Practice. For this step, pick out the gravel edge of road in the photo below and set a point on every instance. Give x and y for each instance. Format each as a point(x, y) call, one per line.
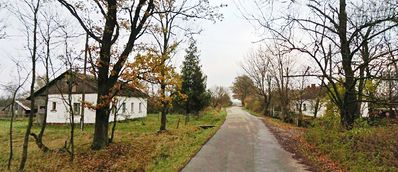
point(289, 144)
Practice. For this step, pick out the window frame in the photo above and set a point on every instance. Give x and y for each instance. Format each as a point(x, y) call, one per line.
point(54, 106)
point(124, 109)
point(76, 107)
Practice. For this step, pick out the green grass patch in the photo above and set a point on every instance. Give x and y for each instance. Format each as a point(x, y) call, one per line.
point(363, 148)
point(137, 145)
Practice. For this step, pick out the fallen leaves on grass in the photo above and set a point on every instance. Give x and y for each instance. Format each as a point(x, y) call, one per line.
point(291, 138)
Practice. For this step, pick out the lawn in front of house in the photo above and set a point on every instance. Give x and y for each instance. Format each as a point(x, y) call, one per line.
point(137, 145)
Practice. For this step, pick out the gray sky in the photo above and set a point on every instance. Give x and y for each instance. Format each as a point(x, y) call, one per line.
point(222, 46)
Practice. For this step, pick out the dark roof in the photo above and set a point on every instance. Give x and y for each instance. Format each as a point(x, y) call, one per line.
point(89, 81)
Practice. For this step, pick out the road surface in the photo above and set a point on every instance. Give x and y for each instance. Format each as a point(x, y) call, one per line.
point(243, 144)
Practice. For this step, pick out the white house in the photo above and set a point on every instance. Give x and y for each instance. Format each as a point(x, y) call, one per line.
point(309, 107)
point(311, 99)
point(131, 103)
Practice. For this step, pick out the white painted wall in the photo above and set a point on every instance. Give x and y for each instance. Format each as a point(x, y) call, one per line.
point(310, 108)
point(61, 113)
point(309, 111)
point(130, 112)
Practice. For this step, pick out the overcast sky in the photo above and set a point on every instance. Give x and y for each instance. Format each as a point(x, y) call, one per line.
point(222, 46)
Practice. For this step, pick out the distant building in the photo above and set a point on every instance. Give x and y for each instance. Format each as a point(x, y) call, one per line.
point(312, 99)
point(132, 103)
point(21, 109)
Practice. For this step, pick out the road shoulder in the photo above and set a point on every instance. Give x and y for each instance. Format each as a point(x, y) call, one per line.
point(292, 140)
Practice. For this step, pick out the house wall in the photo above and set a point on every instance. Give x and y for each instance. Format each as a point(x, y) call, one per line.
point(309, 111)
point(61, 113)
point(130, 113)
point(310, 108)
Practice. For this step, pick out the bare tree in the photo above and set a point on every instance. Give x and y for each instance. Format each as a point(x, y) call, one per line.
point(72, 77)
point(115, 109)
point(14, 88)
point(339, 25)
point(86, 49)
point(256, 67)
point(220, 97)
point(29, 19)
point(281, 66)
point(300, 96)
point(47, 30)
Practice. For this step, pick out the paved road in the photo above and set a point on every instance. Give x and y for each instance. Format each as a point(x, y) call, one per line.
point(243, 144)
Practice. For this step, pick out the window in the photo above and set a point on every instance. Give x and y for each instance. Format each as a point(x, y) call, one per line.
point(124, 107)
point(140, 108)
point(54, 107)
point(76, 108)
point(132, 107)
point(304, 107)
point(42, 109)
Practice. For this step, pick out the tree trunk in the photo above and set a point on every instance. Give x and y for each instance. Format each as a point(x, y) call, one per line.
point(11, 125)
point(84, 85)
point(300, 115)
point(349, 108)
point(72, 126)
point(266, 107)
point(100, 139)
point(187, 111)
point(316, 107)
point(163, 118)
point(114, 122)
point(24, 155)
point(105, 82)
point(39, 138)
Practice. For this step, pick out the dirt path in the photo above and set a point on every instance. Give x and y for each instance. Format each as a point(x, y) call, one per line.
point(243, 144)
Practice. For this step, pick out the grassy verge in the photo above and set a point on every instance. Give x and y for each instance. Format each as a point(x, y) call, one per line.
point(364, 148)
point(137, 145)
point(327, 147)
point(292, 138)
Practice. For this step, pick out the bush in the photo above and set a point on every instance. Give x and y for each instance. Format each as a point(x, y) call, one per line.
point(254, 104)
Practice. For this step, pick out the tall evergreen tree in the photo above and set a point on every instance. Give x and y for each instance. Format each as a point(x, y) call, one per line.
point(193, 81)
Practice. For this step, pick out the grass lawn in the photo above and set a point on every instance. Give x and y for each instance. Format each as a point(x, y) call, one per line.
point(137, 145)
